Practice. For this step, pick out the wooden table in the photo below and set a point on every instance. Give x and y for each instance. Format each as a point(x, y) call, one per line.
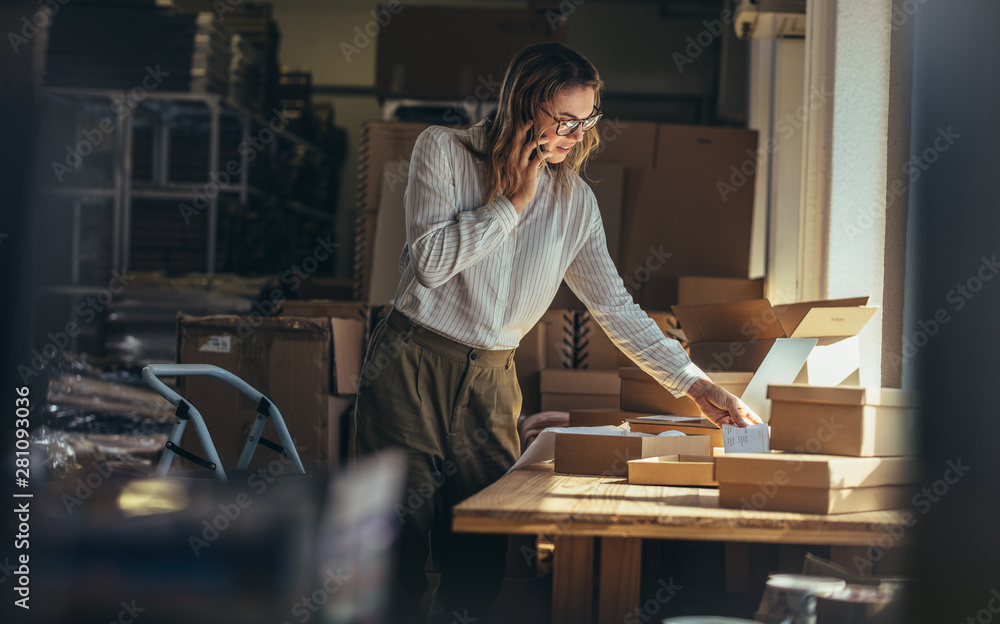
point(577, 509)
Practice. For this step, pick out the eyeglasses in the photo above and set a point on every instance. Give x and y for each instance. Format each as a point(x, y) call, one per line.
point(569, 126)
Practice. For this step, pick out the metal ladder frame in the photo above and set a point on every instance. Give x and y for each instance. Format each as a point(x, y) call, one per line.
point(186, 411)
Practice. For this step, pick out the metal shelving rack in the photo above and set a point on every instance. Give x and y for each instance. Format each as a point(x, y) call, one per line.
point(120, 189)
point(123, 189)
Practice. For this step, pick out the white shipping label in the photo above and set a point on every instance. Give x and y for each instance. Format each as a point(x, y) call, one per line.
point(752, 439)
point(217, 344)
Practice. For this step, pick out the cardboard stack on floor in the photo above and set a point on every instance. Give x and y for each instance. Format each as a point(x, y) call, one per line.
point(838, 449)
point(307, 361)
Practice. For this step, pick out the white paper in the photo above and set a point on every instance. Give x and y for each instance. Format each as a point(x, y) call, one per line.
point(781, 366)
point(544, 446)
point(752, 439)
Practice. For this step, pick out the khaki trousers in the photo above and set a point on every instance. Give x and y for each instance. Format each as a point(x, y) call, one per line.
point(453, 410)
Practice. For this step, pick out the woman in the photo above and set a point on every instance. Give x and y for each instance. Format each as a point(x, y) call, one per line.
point(496, 218)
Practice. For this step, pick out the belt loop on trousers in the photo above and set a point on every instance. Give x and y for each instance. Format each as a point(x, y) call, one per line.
point(409, 332)
point(510, 359)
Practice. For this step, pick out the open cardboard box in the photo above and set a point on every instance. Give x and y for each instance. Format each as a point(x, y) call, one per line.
point(739, 335)
point(823, 484)
point(678, 470)
point(608, 455)
point(300, 363)
point(843, 420)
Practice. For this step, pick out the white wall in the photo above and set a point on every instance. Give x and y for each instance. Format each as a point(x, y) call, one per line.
point(855, 258)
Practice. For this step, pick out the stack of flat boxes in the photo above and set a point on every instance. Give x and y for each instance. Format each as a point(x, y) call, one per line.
point(837, 450)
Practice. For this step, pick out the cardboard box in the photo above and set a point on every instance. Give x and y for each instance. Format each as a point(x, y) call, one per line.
point(568, 402)
point(693, 290)
point(608, 455)
point(560, 381)
point(344, 372)
point(383, 157)
point(289, 360)
point(814, 500)
point(843, 420)
point(566, 389)
point(735, 336)
point(677, 470)
point(821, 484)
point(816, 471)
point(679, 207)
point(689, 425)
point(742, 335)
point(642, 393)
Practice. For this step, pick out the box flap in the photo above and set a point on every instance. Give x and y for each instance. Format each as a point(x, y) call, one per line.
point(841, 395)
point(737, 321)
point(791, 314)
point(833, 322)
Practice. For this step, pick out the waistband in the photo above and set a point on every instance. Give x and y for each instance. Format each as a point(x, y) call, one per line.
point(445, 346)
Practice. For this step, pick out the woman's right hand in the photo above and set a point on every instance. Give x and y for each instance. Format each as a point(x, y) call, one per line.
point(529, 164)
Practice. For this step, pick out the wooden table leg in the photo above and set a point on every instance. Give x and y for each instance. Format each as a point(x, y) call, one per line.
point(573, 580)
point(619, 578)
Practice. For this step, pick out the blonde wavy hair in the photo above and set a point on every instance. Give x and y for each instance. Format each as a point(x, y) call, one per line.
point(532, 81)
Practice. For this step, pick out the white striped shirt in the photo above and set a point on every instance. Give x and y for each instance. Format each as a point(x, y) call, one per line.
point(483, 275)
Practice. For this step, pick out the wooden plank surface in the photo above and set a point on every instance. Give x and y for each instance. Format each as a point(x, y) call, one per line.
point(538, 500)
point(573, 580)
